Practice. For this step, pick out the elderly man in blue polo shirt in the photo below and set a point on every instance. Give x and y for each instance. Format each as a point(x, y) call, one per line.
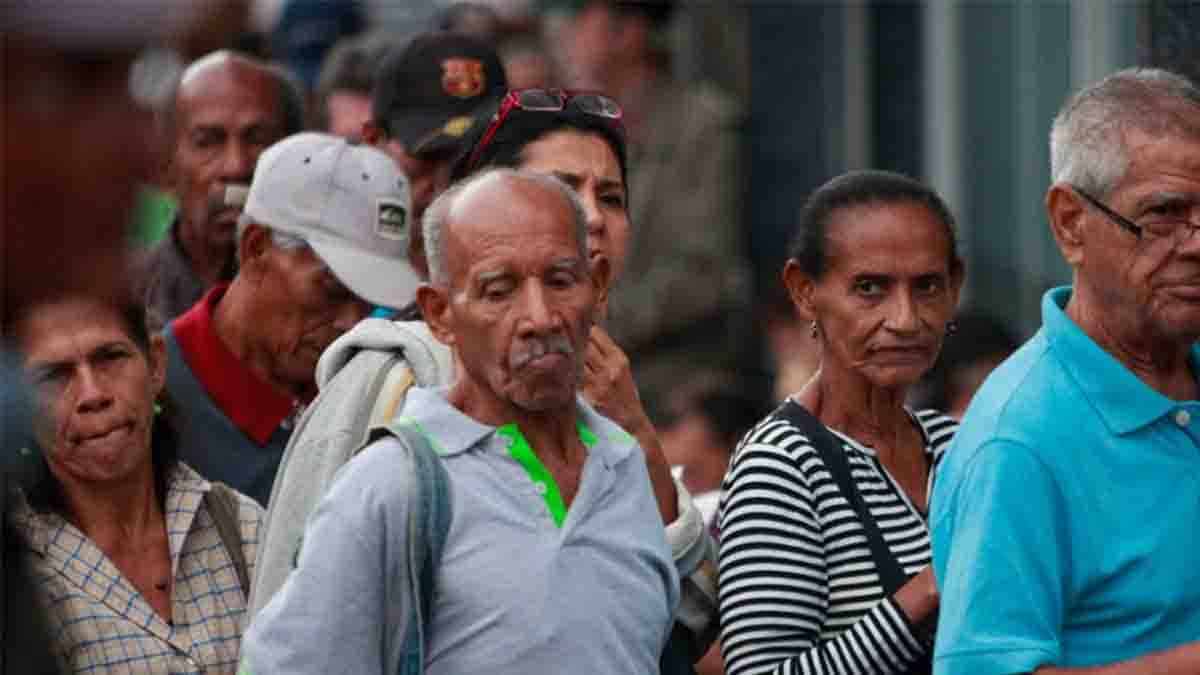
point(555, 559)
point(323, 234)
point(1065, 515)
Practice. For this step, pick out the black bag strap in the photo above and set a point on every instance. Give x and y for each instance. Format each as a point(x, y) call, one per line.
point(223, 507)
point(829, 446)
point(832, 452)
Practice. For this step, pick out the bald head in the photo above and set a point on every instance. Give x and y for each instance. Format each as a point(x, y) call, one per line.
point(227, 110)
point(222, 73)
point(513, 292)
point(478, 206)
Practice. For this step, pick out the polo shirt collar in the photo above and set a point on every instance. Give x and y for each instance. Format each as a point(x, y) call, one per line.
point(1122, 401)
point(453, 431)
point(253, 405)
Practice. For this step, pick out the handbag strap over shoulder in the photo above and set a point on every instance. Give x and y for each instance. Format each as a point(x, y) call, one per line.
point(830, 448)
point(223, 507)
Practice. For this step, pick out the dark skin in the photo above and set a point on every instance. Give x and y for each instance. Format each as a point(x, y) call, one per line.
point(96, 387)
point(227, 111)
point(882, 304)
point(517, 309)
point(282, 310)
point(1139, 299)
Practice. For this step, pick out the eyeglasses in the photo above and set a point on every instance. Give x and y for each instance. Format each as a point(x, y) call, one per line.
point(1167, 226)
point(546, 100)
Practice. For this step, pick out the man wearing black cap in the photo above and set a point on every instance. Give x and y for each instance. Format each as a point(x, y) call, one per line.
point(427, 95)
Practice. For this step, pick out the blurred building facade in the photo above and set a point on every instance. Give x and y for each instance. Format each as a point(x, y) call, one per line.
point(960, 94)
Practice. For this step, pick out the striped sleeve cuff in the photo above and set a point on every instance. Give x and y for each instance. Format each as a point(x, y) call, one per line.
point(908, 639)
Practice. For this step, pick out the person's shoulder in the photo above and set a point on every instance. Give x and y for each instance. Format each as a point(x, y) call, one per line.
point(776, 444)
point(1022, 399)
point(382, 456)
point(359, 352)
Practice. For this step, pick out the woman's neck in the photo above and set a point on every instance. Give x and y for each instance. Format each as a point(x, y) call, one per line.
point(873, 416)
point(117, 517)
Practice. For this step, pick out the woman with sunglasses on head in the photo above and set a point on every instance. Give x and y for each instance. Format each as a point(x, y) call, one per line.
point(825, 548)
point(579, 138)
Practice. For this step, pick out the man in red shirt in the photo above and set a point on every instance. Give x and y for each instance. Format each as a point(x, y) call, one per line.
point(323, 236)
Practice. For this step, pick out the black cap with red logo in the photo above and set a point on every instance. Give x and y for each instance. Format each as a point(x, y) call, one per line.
point(428, 93)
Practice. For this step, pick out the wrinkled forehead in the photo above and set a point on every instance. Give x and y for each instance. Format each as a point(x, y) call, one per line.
point(54, 329)
point(512, 234)
point(230, 85)
point(1170, 159)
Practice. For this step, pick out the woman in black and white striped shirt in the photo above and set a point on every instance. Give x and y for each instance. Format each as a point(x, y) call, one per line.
point(825, 551)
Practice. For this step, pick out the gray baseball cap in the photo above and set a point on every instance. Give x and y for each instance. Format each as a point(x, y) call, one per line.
point(349, 203)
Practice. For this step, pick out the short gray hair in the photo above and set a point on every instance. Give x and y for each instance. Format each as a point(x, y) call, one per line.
point(433, 223)
point(1087, 139)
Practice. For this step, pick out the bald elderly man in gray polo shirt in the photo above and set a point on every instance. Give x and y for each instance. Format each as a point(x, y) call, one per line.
point(555, 558)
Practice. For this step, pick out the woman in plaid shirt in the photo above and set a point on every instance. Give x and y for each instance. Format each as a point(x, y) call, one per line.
point(128, 545)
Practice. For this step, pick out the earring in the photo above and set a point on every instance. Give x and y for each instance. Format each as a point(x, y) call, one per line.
point(951, 327)
point(813, 330)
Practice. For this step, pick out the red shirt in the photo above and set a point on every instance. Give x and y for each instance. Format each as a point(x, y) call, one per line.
point(252, 404)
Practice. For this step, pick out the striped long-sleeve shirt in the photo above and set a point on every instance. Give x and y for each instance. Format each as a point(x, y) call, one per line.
point(799, 592)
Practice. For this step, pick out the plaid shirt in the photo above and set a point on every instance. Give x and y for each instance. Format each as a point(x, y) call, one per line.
point(100, 623)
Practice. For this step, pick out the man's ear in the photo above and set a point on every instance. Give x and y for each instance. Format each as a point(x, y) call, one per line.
point(372, 133)
point(1065, 210)
point(800, 289)
point(253, 246)
point(435, 308)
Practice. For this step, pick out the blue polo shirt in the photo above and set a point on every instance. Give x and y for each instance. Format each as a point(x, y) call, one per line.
point(1065, 515)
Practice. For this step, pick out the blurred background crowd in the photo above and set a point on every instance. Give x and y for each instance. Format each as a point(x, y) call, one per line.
point(957, 94)
point(735, 111)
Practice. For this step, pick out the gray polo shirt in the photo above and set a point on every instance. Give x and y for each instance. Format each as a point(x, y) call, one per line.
point(516, 593)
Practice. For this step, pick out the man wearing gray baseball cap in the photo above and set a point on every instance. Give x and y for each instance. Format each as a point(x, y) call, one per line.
point(324, 235)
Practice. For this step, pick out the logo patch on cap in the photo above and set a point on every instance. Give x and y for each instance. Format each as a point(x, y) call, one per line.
point(462, 77)
point(391, 221)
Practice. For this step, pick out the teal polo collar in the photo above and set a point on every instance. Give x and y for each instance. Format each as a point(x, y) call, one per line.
point(1122, 401)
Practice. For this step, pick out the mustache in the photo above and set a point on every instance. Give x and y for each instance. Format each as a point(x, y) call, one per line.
point(534, 348)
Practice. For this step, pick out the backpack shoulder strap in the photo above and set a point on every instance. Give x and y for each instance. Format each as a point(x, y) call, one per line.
point(430, 512)
point(223, 507)
point(829, 447)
